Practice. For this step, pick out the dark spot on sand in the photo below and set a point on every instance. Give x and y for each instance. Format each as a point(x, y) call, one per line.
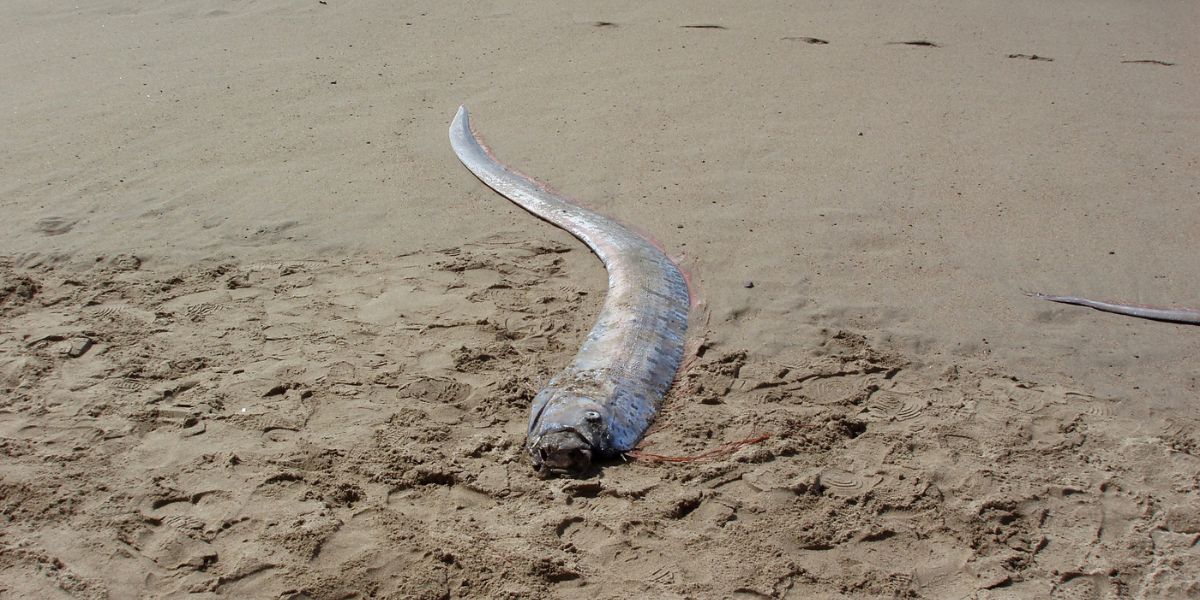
point(1161, 63)
point(925, 43)
point(703, 27)
point(604, 24)
point(1031, 57)
point(806, 40)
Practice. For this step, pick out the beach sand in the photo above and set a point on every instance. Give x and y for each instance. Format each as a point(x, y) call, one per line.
point(262, 335)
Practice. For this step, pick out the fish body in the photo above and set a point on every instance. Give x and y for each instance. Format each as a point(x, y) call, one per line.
point(603, 402)
point(1157, 313)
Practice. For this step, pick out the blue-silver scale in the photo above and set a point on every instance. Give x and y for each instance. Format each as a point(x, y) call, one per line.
point(601, 405)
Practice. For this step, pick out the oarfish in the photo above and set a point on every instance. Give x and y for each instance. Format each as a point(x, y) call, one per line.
point(1158, 313)
point(606, 398)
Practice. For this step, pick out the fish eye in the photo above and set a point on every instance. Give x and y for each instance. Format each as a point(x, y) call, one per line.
point(592, 416)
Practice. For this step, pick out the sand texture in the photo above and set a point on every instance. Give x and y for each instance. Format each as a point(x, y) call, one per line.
point(262, 335)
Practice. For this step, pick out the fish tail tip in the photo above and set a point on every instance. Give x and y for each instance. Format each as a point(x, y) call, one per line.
point(460, 119)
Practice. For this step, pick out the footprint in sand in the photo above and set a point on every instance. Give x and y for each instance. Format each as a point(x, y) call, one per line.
point(583, 534)
point(888, 405)
point(830, 390)
point(279, 434)
point(847, 484)
point(1078, 587)
point(1017, 395)
point(435, 390)
point(284, 489)
point(427, 506)
point(1100, 409)
point(1079, 404)
point(124, 314)
point(179, 535)
point(54, 225)
point(127, 385)
point(960, 443)
point(911, 410)
point(884, 404)
point(1065, 405)
point(198, 312)
point(354, 540)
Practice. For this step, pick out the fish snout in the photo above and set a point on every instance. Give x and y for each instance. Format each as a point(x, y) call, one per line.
point(564, 451)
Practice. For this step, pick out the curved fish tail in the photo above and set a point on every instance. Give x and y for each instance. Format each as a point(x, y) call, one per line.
point(1189, 316)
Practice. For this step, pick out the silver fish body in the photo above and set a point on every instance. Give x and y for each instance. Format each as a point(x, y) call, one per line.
point(1189, 316)
point(604, 401)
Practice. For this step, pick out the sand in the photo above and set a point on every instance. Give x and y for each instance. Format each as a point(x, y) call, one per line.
point(262, 336)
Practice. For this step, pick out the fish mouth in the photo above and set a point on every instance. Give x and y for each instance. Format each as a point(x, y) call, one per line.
point(563, 451)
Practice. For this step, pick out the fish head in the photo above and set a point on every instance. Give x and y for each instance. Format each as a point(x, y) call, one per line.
point(566, 432)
